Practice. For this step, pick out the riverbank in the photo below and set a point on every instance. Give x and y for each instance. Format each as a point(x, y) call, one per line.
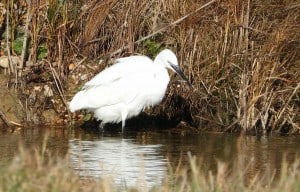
point(241, 57)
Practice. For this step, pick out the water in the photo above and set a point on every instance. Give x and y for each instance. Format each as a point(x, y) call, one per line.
point(128, 162)
point(143, 158)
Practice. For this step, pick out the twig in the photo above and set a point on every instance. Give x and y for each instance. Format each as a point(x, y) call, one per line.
point(79, 63)
point(16, 124)
point(57, 83)
point(175, 22)
point(288, 101)
point(159, 30)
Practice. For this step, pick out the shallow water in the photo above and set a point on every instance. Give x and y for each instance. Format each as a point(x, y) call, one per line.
point(128, 162)
point(143, 158)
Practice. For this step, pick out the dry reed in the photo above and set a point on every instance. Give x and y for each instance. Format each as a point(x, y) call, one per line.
point(242, 57)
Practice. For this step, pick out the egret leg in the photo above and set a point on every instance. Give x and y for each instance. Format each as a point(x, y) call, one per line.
point(123, 124)
point(101, 126)
point(124, 115)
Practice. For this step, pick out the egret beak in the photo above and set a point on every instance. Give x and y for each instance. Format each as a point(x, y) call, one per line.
point(180, 73)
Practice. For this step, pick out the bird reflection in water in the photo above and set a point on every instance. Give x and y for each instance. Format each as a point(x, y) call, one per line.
point(128, 163)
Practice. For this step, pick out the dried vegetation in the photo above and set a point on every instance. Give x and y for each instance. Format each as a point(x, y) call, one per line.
point(39, 170)
point(242, 57)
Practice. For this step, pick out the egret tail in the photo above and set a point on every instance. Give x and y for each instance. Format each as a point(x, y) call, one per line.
point(77, 102)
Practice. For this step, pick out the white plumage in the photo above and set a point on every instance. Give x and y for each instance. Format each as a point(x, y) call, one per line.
point(123, 90)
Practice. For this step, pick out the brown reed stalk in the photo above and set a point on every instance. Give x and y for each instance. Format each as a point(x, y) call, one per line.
point(8, 39)
point(26, 35)
point(58, 84)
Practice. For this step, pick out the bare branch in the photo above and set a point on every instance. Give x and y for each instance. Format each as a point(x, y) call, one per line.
point(174, 23)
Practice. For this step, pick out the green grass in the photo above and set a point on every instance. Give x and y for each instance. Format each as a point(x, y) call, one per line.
point(152, 48)
point(18, 44)
point(42, 51)
point(37, 170)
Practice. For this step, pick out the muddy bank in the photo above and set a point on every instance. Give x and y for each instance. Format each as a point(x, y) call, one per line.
point(11, 109)
point(37, 101)
point(29, 104)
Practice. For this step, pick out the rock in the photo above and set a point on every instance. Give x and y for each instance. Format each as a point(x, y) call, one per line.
point(48, 91)
point(4, 61)
point(71, 66)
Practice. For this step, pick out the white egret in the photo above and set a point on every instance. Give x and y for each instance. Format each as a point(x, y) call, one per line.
point(123, 90)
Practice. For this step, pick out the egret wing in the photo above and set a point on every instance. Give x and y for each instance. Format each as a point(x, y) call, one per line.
point(120, 83)
point(123, 67)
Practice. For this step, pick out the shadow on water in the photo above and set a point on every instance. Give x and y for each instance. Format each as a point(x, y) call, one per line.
point(144, 157)
point(145, 122)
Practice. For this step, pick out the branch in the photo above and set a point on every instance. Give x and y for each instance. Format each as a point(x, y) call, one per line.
point(57, 83)
point(174, 23)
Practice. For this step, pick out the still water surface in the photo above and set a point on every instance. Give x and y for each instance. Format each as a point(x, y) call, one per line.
point(143, 158)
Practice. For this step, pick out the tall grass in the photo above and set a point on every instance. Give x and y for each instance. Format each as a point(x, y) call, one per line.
point(241, 56)
point(38, 170)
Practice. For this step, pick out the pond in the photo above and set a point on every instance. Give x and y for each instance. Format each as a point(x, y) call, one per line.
point(144, 158)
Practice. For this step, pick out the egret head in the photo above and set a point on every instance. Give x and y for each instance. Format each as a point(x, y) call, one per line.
point(169, 60)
